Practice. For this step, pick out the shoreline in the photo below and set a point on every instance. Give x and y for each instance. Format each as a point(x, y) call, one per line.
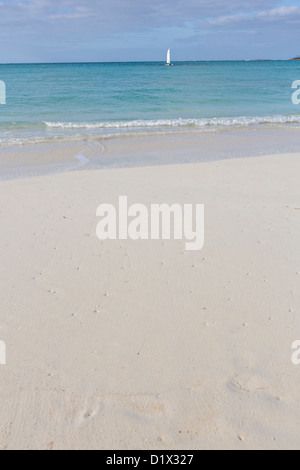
point(17, 162)
point(107, 347)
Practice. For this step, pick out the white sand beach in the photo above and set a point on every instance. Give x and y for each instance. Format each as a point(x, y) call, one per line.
point(141, 344)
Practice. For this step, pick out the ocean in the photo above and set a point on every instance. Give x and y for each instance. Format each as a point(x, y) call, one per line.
point(98, 101)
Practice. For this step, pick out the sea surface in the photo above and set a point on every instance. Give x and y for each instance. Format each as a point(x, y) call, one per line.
point(101, 101)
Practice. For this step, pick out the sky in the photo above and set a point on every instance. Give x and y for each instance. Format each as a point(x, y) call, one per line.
point(142, 30)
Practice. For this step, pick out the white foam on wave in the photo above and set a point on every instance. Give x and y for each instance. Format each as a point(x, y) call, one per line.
point(75, 131)
point(204, 122)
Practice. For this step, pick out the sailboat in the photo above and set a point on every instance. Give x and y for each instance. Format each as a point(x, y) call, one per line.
point(169, 57)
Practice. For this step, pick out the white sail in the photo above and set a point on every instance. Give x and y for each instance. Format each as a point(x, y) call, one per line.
point(169, 57)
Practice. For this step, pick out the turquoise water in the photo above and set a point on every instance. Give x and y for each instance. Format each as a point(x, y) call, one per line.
point(69, 102)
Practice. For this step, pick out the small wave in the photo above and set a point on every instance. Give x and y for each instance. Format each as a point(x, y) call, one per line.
point(59, 132)
point(18, 141)
point(175, 123)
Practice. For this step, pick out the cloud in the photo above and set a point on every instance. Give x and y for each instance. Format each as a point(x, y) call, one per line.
point(276, 14)
point(122, 14)
point(90, 29)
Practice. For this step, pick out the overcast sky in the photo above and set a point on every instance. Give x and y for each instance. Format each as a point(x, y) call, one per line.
point(137, 30)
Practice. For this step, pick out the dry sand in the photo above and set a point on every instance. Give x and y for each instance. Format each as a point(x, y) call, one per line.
point(142, 345)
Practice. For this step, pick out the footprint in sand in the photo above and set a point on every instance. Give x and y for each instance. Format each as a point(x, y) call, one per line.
point(253, 385)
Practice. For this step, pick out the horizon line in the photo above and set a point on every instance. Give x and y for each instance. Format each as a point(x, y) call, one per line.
point(148, 61)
